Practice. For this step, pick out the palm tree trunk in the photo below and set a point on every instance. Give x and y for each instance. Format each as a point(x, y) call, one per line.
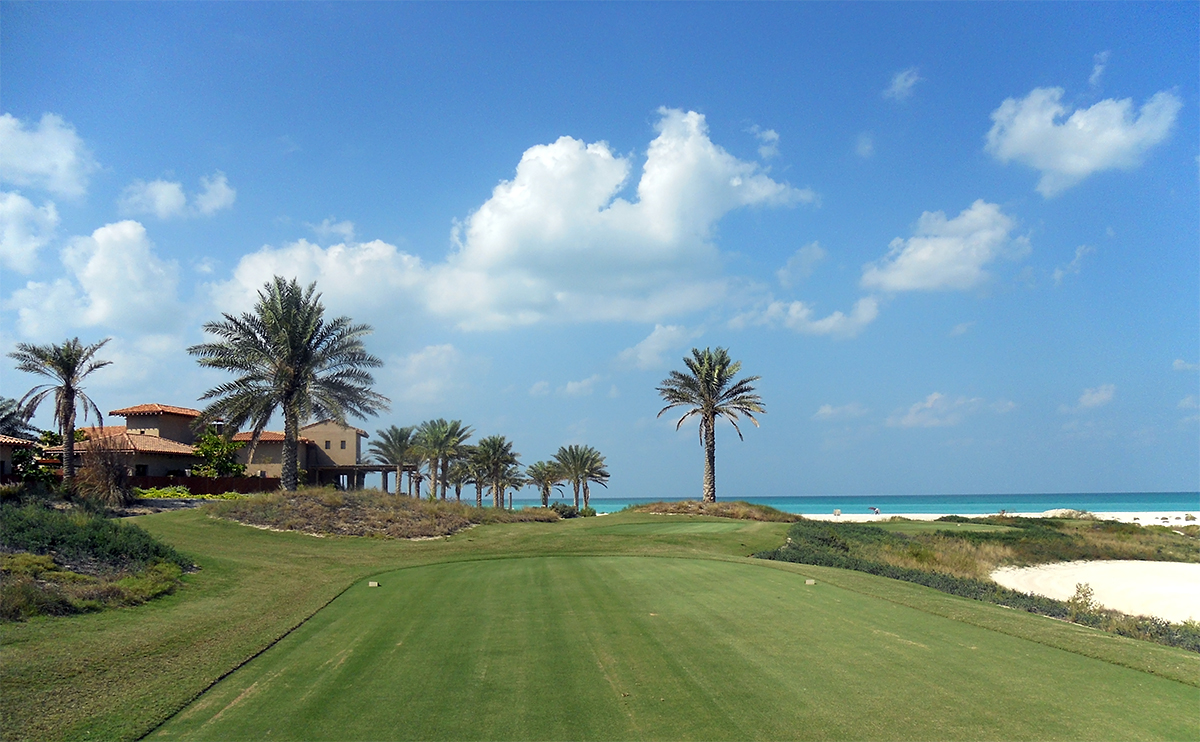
point(576, 484)
point(68, 436)
point(546, 497)
point(478, 493)
point(399, 472)
point(497, 495)
point(710, 461)
point(445, 475)
point(586, 494)
point(290, 428)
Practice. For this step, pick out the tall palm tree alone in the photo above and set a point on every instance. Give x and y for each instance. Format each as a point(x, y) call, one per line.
point(498, 462)
point(288, 357)
point(393, 448)
point(545, 475)
point(710, 391)
point(68, 365)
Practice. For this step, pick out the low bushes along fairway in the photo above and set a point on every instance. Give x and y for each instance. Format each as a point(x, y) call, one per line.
point(59, 562)
point(536, 630)
point(736, 509)
point(326, 511)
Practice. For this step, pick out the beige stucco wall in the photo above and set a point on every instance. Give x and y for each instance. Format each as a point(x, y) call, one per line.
point(160, 465)
point(171, 427)
point(268, 458)
point(329, 439)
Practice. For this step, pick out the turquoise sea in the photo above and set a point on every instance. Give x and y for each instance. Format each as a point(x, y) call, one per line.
point(1096, 502)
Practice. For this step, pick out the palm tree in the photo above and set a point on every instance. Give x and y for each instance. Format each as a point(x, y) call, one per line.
point(572, 462)
point(288, 357)
point(394, 448)
point(68, 365)
point(458, 474)
point(476, 472)
point(496, 459)
point(545, 475)
point(710, 391)
point(14, 422)
point(593, 471)
point(580, 465)
point(511, 480)
point(442, 440)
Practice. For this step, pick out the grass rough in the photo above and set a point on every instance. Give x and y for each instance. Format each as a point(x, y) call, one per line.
point(736, 509)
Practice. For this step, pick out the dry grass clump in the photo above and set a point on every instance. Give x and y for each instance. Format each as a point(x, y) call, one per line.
point(946, 554)
point(325, 511)
point(738, 509)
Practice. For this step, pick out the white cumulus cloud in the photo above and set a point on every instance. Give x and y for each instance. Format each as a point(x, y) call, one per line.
point(217, 194)
point(539, 389)
point(651, 352)
point(864, 146)
point(799, 316)
point(581, 388)
point(946, 254)
point(1108, 135)
point(1099, 62)
point(351, 275)
point(1092, 398)
point(425, 376)
point(557, 243)
point(162, 198)
point(50, 156)
point(165, 199)
point(1075, 265)
point(24, 229)
point(1182, 365)
point(118, 282)
point(936, 411)
point(769, 139)
point(903, 83)
point(801, 264)
point(846, 411)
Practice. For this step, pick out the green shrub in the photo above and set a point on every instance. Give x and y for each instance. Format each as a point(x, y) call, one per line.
point(564, 510)
point(78, 536)
point(587, 512)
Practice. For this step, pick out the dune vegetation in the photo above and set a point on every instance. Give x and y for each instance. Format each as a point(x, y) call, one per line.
point(324, 511)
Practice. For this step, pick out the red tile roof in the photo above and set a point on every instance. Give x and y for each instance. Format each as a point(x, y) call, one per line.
point(360, 431)
point(8, 440)
point(156, 409)
point(267, 436)
point(124, 441)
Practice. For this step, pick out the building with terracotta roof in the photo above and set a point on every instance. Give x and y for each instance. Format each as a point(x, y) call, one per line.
point(161, 420)
point(8, 444)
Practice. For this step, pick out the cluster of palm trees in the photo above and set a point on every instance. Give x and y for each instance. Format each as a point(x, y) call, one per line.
point(437, 452)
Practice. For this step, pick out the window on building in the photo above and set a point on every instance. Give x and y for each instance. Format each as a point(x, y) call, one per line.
point(326, 445)
point(141, 470)
point(343, 445)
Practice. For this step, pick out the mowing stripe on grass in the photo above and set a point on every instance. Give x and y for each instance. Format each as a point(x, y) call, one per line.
point(635, 647)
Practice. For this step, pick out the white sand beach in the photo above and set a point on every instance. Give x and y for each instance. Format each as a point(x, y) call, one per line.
point(1169, 590)
point(1156, 518)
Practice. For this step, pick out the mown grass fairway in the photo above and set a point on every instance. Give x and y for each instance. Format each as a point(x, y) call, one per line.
point(535, 630)
point(653, 648)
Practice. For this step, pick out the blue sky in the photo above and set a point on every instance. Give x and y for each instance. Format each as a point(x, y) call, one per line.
point(958, 242)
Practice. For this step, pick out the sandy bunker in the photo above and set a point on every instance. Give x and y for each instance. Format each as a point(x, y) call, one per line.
point(1169, 590)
